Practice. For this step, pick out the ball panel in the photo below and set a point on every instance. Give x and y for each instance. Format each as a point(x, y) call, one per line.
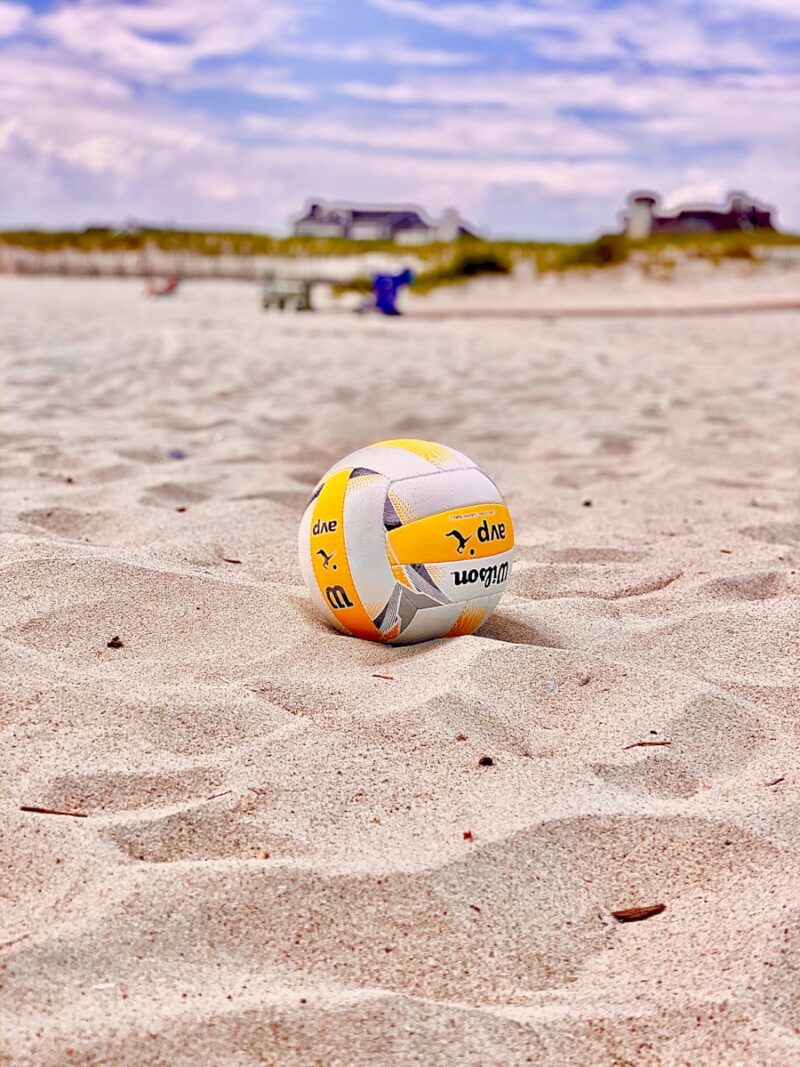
point(390, 462)
point(365, 540)
point(417, 497)
point(467, 579)
point(307, 569)
point(452, 536)
point(440, 456)
point(403, 606)
point(330, 562)
point(471, 617)
point(433, 623)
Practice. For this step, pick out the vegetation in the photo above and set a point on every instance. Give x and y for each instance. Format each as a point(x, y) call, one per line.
point(443, 263)
point(462, 267)
point(607, 251)
point(467, 263)
point(199, 242)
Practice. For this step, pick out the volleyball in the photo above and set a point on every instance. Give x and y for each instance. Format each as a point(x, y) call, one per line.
point(406, 541)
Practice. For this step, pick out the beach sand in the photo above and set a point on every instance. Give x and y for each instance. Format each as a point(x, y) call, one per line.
point(288, 858)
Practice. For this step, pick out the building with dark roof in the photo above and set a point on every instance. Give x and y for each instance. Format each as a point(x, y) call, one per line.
point(741, 212)
point(404, 224)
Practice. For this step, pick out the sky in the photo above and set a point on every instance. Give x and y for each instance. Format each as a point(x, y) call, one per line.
point(535, 118)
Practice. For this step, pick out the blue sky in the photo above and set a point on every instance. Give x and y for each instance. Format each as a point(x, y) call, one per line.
point(533, 117)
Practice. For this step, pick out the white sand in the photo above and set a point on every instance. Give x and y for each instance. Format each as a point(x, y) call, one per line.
point(273, 868)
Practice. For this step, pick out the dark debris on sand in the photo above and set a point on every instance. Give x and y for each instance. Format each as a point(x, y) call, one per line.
point(635, 915)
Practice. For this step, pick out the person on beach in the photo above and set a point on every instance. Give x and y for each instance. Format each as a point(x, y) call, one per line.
point(385, 288)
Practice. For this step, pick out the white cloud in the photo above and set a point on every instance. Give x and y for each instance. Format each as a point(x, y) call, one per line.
point(736, 106)
point(155, 40)
point(12, 18)
point(788, 9)
point(33, 75)
point(702, 191)
point(478, 19)
point(509, 135)
point(391, 50)
point(671, 33)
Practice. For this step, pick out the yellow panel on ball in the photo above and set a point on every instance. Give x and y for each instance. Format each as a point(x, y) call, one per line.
point(329, 559)
point(462, 533)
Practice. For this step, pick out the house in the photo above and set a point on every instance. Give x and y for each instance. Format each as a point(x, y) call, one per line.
point(741, 212)
point(403, 224)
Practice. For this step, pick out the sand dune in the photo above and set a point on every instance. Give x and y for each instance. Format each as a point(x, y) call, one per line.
point(281, 846)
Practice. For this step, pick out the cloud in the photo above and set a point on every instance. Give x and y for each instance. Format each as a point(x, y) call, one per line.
point(385, 50)
point(470, 18)
point(512, 135)
point(12, 18)
point(667, 34)
point(787, 9)
point(155, 40)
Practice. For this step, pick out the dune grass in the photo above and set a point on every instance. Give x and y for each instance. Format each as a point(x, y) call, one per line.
point(444, 263)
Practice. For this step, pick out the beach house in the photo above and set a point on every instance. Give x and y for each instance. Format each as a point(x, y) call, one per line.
point(644, 216)
point(375, 222)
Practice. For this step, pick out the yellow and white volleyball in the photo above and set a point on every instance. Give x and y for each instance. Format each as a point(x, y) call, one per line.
point(406, 541)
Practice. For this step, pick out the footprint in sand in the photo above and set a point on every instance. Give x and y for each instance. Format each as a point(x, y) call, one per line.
point(775, 533)
point(760, 585)
point(173, 495)
point(210, 831)
point(656, 776)
point(503, 626)
point(112, 791)
point(293, 499)
point(143, 455)
point(71, 524)
point(782, 975)
point(589, 555)
point(551, 573)
point(712, 737)
point(112, 472)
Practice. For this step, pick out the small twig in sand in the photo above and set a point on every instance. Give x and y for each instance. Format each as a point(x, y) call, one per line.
point(229, 559)
point(52, 811)
point(387, 677)
point(646, 744)
point(635, 915)
point(215, 795)
point(777, 781)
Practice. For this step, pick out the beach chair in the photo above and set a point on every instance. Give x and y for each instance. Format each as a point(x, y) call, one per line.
point(286, 294)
